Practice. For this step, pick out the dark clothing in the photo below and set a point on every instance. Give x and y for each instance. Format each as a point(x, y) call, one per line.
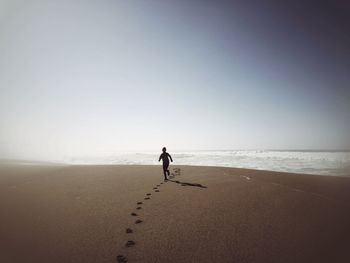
point(165, 157)
point(165, 169)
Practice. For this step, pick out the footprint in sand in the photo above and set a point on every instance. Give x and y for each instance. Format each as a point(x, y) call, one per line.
point(130, 243)
point(121, 258)
point(177, 172)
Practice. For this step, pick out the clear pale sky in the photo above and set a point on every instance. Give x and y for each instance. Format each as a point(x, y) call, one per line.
point(90, 77)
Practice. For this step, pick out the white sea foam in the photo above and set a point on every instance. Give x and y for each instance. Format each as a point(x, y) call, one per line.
point(310, 162)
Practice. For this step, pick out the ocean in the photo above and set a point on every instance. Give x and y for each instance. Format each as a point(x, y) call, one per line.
point(308, 162)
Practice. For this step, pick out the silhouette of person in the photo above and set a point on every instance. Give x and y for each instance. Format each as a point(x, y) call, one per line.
point(165, 157)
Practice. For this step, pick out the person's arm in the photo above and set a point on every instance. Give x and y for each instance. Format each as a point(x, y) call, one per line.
point(160, 157)
point(170, 157)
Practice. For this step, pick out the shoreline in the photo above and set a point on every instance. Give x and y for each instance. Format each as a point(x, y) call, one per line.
point(333, 163)
point(43, 164)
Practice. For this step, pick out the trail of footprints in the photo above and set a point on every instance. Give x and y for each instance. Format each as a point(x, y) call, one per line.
point(130, 243)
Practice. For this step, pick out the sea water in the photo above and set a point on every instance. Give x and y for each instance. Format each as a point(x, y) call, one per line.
point(308, 162)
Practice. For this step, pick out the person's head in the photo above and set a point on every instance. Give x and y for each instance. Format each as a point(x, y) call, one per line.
point(164, 149)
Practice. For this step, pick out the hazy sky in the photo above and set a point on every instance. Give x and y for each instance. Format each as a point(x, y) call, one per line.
point(95, 77)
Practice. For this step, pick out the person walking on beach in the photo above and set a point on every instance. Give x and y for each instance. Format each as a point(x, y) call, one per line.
point(165, 157)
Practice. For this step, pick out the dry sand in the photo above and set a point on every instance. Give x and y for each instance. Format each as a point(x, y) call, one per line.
point(81, 213)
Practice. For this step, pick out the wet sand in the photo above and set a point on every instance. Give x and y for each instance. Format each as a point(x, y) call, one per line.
point(203, 214)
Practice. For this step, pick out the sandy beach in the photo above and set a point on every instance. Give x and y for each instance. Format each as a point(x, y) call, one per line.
point(203, 214)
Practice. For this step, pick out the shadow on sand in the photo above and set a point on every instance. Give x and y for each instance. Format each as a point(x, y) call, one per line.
point(187, 184)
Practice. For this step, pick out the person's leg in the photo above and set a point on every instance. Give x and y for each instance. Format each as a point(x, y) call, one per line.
point(164, 171)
